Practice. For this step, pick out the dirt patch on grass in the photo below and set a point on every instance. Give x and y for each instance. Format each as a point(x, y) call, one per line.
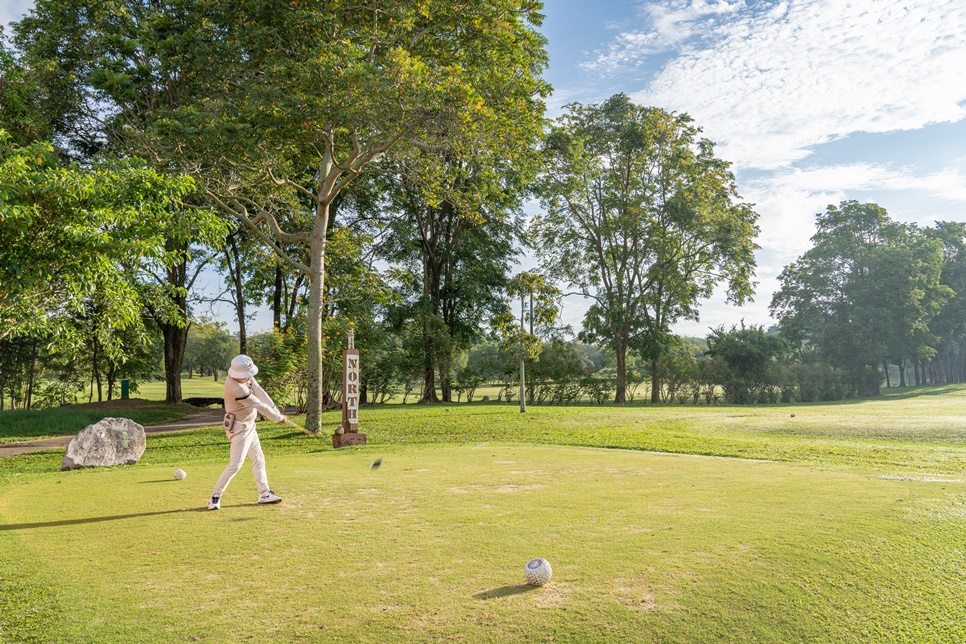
point(551, 595)
point(517, 488)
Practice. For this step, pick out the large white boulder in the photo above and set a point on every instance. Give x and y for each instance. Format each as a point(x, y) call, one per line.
point(111, 441)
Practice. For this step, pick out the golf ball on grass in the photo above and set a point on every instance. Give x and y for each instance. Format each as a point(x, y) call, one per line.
point(537, 572)
point(180, 474)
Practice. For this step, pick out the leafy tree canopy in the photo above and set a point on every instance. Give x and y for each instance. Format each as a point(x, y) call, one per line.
point(643, 219)
point(69, 232)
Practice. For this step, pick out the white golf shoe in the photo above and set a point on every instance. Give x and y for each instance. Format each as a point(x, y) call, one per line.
point(269, 497)
point(214, 503)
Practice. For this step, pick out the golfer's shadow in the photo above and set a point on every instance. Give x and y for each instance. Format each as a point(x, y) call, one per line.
point(504, 591)
point(66, 522)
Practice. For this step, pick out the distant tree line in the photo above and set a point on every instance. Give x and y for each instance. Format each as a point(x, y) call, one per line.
point(871, 293)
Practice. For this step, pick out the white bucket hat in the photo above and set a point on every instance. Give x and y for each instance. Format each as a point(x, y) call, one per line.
point(242, 367)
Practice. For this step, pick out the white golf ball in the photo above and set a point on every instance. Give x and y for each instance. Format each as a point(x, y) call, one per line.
point(537, 572)
point(180, 474)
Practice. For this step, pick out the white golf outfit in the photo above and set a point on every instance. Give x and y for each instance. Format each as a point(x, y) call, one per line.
point(246, 400)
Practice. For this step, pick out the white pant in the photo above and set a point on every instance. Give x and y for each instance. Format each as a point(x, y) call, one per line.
point(244, 442)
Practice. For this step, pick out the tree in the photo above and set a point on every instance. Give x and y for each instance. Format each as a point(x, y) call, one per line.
point(643, 219)
point(18, 92)
point(950, 324)
point(539, 306)
point(92, 110)
point(457, 259)
point(863, 294)
point(279, 106)
point(166, 284)
point(67, 232)
point(751, 355)
point(210, 347)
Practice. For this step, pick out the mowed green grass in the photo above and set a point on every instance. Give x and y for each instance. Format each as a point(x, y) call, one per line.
point(25, 424)
point(196, 387)
point(847, 525)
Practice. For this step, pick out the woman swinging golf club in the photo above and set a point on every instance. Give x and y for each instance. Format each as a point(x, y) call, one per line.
point(244, 400)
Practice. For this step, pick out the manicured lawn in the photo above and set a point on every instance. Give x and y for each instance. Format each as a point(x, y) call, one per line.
point(196, 387)
point(844, 523)
point(59, 421)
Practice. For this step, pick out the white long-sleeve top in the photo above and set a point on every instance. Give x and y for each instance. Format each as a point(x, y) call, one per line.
point(246, 400)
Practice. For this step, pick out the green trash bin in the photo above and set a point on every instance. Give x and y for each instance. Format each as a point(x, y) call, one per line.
point(125, 389)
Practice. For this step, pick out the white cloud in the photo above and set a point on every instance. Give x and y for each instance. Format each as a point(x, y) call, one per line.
point(13, 11)
point(669, 24)
point(768, 85)
point(788, 200)
point(949, 183)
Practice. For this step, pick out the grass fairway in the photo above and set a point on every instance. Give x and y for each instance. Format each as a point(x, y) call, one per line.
point(196, 387)
point(852, 530)
point(431, 547)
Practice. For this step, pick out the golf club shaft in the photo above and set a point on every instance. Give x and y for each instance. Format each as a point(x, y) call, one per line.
point(298, 427)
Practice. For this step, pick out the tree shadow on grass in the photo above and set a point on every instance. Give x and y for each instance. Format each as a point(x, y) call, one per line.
point(505, 591)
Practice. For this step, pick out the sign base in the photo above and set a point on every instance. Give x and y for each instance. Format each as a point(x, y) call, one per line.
point(348, 438)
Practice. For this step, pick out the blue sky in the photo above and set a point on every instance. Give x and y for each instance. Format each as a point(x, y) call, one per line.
point(812, 101)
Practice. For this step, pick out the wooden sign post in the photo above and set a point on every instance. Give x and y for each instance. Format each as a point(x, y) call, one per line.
point(348, 433)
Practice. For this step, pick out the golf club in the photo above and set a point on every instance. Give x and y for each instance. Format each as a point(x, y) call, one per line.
point(298, 427)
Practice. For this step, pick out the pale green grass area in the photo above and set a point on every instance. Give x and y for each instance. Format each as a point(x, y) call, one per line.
point(24, 424)
point(196, 387)
point(431, 546)
point(904, 435)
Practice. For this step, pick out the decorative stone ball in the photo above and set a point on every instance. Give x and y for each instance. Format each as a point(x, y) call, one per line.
point(180, 474)
point(537, 572)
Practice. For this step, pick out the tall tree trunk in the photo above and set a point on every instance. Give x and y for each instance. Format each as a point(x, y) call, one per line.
point(313, 331)
point(95, 374)
point(431, 288)
point(902, 373)
point(445, 383)
point(620, 347)
point(523, 355)
point(111, 378)
point(233, 258)
point(175, 332)
point(885, 369)
point(30, 375)
point(277, 300)
point(175, 339)
point(429, 363)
